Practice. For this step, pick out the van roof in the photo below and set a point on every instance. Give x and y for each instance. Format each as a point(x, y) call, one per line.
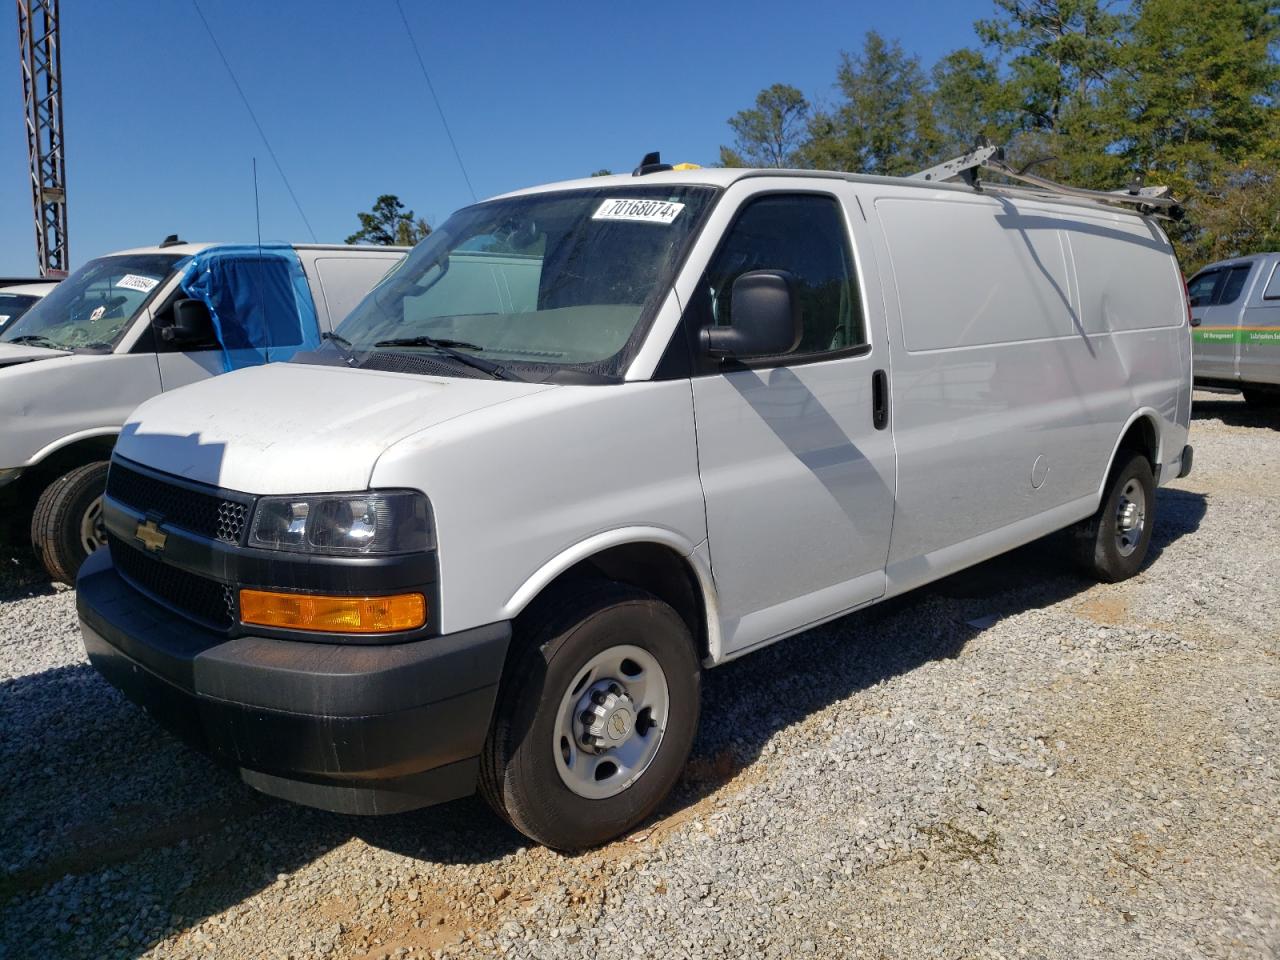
point(725, 176)
point(190, 249)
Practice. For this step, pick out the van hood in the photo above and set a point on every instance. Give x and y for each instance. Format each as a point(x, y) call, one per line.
point(11, 353)
point(295, 428)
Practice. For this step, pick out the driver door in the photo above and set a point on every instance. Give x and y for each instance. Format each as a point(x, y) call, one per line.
point(797, 470)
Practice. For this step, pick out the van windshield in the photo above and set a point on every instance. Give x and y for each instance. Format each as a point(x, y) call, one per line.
point(534, 284)
point(93, 307)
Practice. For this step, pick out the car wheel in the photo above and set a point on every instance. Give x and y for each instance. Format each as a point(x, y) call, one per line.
point(66, 525)
point(1112, 544)
point(595, 717)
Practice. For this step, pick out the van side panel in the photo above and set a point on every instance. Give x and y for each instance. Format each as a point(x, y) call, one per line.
point(986, 391)
point(1016, 367)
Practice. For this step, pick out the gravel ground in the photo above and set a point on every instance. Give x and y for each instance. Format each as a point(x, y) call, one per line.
point(1014, 762)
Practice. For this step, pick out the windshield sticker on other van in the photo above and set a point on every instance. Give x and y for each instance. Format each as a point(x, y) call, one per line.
point(98, 314)
point(639, 211)
point(132, 281)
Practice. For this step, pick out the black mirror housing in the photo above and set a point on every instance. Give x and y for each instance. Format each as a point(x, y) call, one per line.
point(764, 318)
point(192, 323)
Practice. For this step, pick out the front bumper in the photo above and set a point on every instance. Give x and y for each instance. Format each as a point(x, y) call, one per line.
point(350, 728)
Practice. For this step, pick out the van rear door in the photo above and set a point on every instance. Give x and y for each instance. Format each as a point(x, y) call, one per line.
point(799, 480)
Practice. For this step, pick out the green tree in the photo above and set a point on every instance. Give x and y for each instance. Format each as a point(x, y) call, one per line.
point(1059, 57)
point(389, 224)
point(971, 101)
point(771, 133)
point(884, 123)
point(1238, 214)
point(603, 172)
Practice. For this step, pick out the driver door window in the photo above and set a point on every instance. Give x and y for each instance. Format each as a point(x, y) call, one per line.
point(804, 235)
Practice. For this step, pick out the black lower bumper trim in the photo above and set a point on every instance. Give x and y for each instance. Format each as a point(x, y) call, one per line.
point(362, 729)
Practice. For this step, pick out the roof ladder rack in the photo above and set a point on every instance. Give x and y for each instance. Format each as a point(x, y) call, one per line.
point(1150, 201)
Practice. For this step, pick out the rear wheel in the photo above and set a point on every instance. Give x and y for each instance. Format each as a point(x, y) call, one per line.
point(1112, 544)
point(595, 718)
point(67, 523)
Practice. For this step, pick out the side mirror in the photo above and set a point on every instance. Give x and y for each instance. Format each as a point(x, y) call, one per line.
point(191, 323)
point(764, 318)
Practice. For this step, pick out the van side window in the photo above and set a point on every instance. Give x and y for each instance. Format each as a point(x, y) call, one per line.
point(1201, 287)
point(1236, 278)
point(803, 234)
point(1273, 285)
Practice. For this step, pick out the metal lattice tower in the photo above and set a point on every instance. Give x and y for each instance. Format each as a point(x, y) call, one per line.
point(42, 98)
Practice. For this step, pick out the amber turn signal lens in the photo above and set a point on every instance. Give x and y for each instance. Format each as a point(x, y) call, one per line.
point(305, 611)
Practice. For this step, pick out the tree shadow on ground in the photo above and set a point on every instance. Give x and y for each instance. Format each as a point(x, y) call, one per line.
point(97, 785)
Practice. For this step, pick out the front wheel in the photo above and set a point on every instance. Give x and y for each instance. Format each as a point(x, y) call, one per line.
point(67, 523)
point(595, 718)
point(1112, 544)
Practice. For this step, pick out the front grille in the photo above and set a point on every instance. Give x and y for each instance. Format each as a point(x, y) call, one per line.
point(197, 597)
point(204, 514)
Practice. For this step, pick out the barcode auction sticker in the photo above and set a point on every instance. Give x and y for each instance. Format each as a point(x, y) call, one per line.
point(639, 211)
point(132, 281)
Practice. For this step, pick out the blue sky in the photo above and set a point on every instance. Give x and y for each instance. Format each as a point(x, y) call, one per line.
point(158, 142)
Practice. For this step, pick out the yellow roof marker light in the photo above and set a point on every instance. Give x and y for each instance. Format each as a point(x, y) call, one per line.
point(687, 166)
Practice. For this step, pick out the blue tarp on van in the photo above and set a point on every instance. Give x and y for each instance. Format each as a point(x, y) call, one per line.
point(259, 300)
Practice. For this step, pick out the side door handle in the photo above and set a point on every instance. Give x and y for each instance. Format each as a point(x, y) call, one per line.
point(880, 399)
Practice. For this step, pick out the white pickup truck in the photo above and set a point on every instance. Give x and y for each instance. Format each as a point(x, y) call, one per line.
point(595, 437)
point(133, 324)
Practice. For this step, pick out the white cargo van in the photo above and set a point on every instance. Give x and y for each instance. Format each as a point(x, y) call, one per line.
point(128, 326)
point(1235, 309)
point(595, 437)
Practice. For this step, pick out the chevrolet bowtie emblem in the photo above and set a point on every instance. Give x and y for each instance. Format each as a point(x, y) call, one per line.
point(152, 537)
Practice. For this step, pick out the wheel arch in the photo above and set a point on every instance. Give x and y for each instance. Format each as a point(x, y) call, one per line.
point(654, 559)
point(75, 450)
point(1141, 434)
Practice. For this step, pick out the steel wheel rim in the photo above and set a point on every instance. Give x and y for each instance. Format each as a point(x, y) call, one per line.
point(1131, 517)
point(600, 759)
point(93, 533)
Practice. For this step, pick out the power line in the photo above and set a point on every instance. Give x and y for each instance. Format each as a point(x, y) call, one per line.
point(439, 109)
point(254, 117)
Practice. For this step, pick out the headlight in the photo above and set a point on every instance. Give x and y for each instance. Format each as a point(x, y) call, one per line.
point(353, 523)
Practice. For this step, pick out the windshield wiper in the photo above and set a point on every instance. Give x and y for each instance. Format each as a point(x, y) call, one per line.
point(427, 342)
point(450, 349)
point(37, 340)
point(341, 342)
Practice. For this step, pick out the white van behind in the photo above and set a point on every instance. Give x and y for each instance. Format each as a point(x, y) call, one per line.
point(492, 538)
point(107, 337)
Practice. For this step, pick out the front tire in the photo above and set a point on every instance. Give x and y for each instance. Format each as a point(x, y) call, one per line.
point(595, 718)
point(1112, 544)
point(67, 523)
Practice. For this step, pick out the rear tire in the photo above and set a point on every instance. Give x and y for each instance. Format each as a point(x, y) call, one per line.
point(67, 523)
point(609, 653)
point(1112, 544)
